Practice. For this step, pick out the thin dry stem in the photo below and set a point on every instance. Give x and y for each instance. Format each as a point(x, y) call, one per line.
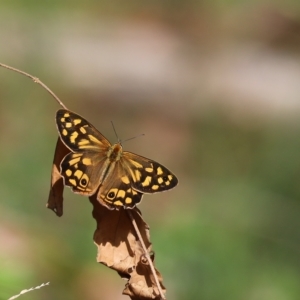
point(146, 253)
point(36, 80)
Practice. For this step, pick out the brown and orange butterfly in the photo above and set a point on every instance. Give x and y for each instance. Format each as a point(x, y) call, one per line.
point(94, 165)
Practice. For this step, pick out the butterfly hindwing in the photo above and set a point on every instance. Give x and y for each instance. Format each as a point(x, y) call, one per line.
point(81, 172)
point(117, 193)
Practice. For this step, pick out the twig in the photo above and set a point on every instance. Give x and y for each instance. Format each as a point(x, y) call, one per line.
point(146, 253)
point(36, 80)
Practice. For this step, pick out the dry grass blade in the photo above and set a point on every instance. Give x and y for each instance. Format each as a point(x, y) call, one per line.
point(29, 290)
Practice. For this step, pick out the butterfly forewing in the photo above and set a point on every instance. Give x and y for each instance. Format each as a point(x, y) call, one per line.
point(147, 175)
point(78, 134)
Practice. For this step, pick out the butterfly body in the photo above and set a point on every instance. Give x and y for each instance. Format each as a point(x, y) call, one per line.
point(120, 178)
point(115, 152)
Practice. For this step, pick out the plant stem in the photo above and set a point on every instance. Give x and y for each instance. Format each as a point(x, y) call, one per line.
point(146, 253)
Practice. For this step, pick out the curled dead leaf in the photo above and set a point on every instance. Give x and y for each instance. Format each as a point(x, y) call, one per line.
point(55, 199)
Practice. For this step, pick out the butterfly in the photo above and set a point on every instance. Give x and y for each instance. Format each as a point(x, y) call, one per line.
point(94, 165)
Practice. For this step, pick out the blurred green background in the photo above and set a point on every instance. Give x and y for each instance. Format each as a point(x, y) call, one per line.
point(215, 86)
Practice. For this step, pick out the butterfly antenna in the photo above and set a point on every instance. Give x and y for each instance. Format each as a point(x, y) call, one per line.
point(142, 134)
point(119, 141)
point(112, 123)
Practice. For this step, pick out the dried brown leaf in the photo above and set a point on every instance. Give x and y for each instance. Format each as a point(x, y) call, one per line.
point(55, 199)
point(120, 249)
point(141, 286)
